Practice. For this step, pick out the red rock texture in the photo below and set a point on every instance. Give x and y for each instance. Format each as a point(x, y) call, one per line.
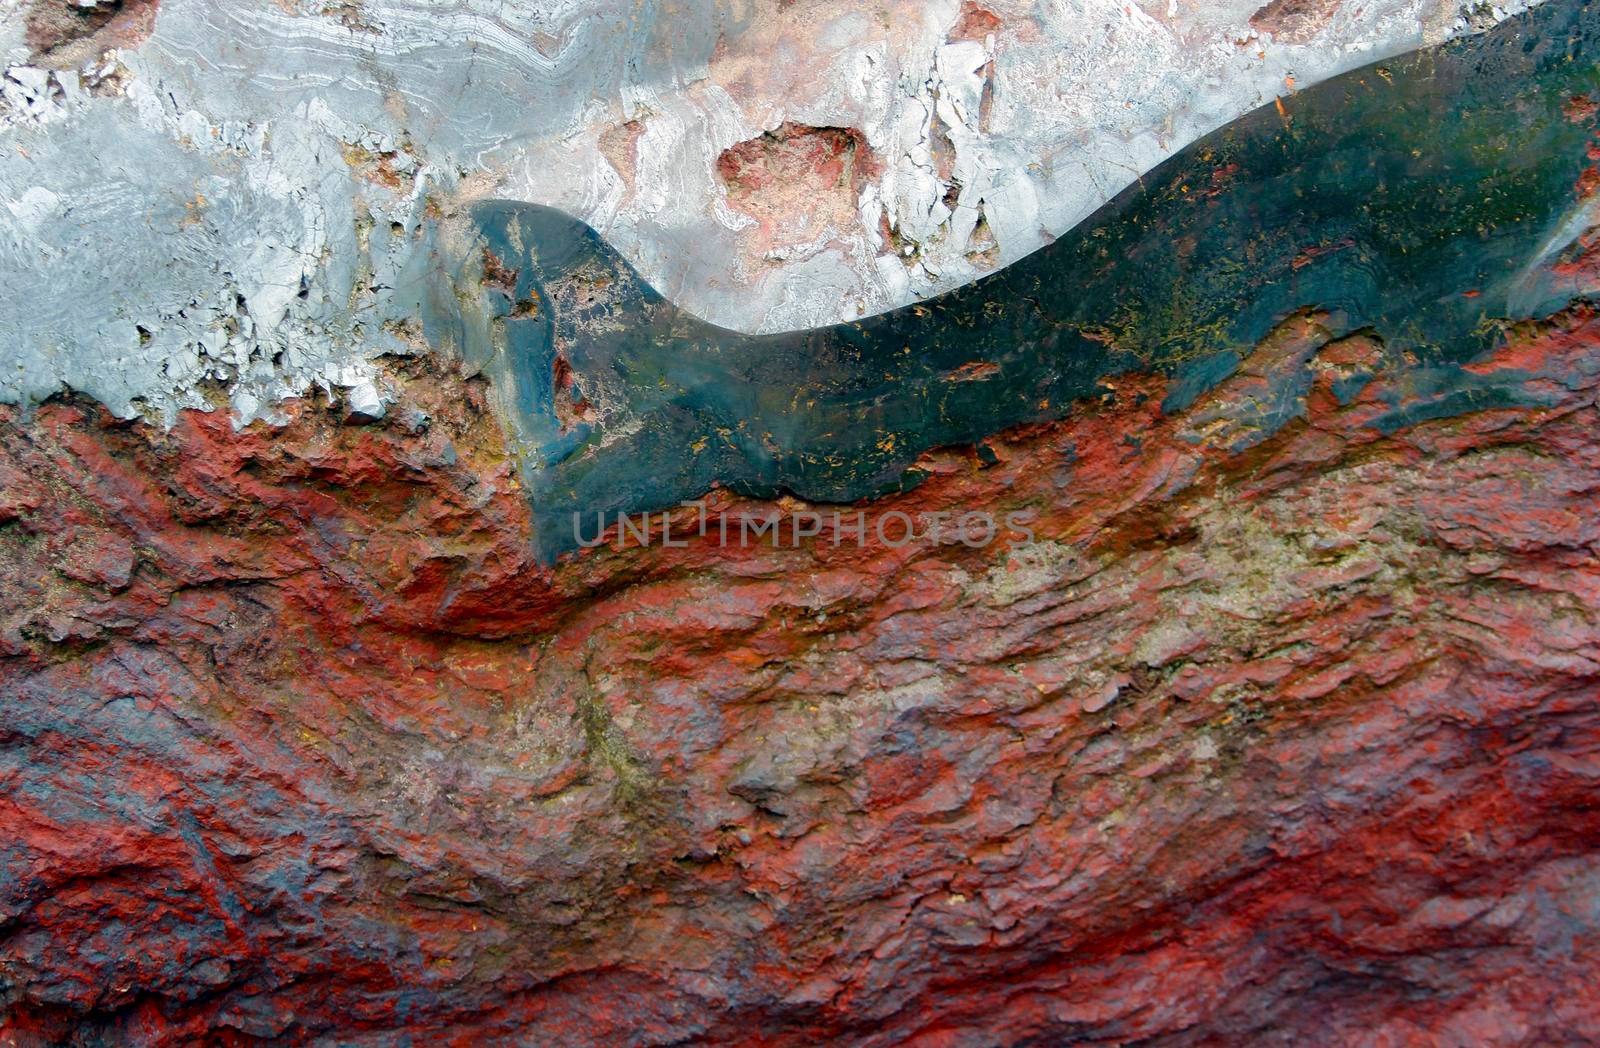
point(1284, 731)
point(66, 33)
point(1295, 21)
point(797, 179)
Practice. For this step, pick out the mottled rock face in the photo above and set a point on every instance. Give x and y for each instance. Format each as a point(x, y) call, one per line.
point(1193, 639)
point(273, 173)
point(1282, 728)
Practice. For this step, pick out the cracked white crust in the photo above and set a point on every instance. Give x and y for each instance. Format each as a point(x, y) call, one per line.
point(233, 208)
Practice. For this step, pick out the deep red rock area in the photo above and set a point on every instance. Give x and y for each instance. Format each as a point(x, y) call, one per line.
point(1285, 730)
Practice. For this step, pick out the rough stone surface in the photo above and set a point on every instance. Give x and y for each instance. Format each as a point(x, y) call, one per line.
point(1284, 730)
point(208, 204)
point(1253, 703)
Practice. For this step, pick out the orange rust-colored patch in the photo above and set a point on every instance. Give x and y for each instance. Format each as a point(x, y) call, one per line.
point(976, 371)
point(975, 23)
point(377, 168)
point(497, 274)
point(1311, 254)
point(620, 146)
